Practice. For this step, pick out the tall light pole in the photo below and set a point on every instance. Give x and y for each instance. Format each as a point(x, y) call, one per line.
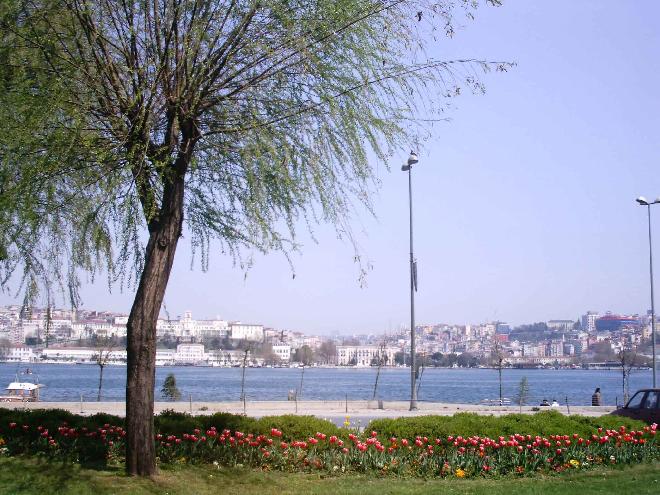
point(643, 202)
point(412, 159)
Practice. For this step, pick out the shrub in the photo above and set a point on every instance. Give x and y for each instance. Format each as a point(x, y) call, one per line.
point(175, 423)
point(468, 424)
point(296, 427)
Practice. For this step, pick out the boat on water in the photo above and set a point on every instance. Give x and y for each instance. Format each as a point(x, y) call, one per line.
point(21, 392)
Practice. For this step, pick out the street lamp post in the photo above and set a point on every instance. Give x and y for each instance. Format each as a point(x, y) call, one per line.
point(412, 159)
point(643, 202)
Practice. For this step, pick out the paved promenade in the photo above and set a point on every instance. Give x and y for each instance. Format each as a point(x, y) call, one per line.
point(357, 410)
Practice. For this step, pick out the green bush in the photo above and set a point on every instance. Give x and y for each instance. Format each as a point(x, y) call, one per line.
point(54, 418)
point(170, 422)
point(469, 424)
point(226, 421)
point(296, 427)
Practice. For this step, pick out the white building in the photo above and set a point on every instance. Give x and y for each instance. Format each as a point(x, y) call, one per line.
point(189, 354)
point(244, 331)
point(18, 354)
point(364, 355)
point(81, 355)
point(589, 321)
point(283, 352)
point(561, 325)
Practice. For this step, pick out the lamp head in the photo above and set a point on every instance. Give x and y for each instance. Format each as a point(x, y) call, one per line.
point(412, 159)
point(642, 201)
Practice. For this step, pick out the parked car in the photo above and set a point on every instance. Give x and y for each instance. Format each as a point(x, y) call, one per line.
point(644, 405)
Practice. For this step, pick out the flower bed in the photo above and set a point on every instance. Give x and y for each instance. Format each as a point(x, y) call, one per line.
point(420, 456)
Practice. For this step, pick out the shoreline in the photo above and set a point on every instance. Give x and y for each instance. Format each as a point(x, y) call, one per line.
point(357, 410)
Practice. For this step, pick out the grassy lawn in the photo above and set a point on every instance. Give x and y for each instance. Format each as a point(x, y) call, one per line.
point(21, 476)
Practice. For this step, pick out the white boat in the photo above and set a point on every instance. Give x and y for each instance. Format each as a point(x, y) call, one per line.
point(21, 392)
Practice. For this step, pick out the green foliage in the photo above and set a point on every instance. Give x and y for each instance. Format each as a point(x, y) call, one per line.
point(522, 395)
point(53, 418)
point(296, 427)
point(468, 424)
point(272, 124)
point(170, 391)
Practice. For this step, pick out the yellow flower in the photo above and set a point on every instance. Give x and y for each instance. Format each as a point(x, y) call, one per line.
point(2, 441)
point(575, 463)
point(460, 473)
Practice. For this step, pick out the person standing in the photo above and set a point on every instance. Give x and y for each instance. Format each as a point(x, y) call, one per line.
point(595, 398)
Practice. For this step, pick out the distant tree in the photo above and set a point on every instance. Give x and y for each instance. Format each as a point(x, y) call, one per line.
point(327, 352)
point(380, 360)
point(628, 359)
point(466, 360)
point(170, 391)
point(603, 351)
point(105, 346)
point(522, 396)
point(400, 358)
point(497, 359)
point(243, 366)
point(304, 355)
point(169, 341)
point(5, 347)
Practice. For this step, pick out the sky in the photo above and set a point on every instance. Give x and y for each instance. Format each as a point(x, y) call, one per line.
point(524, 202)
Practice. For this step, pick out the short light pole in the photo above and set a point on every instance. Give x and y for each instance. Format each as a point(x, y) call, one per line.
point(412, 159)
point(643, 202)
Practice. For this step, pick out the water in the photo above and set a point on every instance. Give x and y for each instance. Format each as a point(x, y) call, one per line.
point(66, 383)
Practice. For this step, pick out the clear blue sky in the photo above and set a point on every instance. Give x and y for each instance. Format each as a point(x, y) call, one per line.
point(524, 202)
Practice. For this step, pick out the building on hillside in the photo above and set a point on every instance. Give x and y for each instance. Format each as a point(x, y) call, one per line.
point(588, 321)
point(245, 331)
point(560, 325)
point(283, 352)
point(611, 322)
point(364, 355)
point(189, 354)
point(18, 354)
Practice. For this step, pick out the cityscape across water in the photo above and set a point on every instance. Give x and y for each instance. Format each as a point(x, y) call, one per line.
point(469, 386)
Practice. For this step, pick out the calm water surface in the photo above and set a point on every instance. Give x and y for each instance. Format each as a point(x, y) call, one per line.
point(68, 382)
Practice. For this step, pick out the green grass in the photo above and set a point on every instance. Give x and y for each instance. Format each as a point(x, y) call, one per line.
point(29, 476)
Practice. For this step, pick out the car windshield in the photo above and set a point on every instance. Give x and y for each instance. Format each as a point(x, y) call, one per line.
point(636, 401)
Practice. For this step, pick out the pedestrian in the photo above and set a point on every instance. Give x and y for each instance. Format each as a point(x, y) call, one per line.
point(595, 398)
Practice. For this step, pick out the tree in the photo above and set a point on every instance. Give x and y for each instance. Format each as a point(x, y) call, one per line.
point(522, 396)
point(379, 360)
point(105, 346)
point(5, 348)
point(125, 122)
point(327, 352)
point(628, 359)
point(305, 356)
point(497, 359)
point(170, 391)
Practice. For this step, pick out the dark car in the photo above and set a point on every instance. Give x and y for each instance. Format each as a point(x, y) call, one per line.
point(644, 405)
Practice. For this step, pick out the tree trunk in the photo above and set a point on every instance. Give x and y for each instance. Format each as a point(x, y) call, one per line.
point(98, 399)
point(164, 233)
point(499, 369)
